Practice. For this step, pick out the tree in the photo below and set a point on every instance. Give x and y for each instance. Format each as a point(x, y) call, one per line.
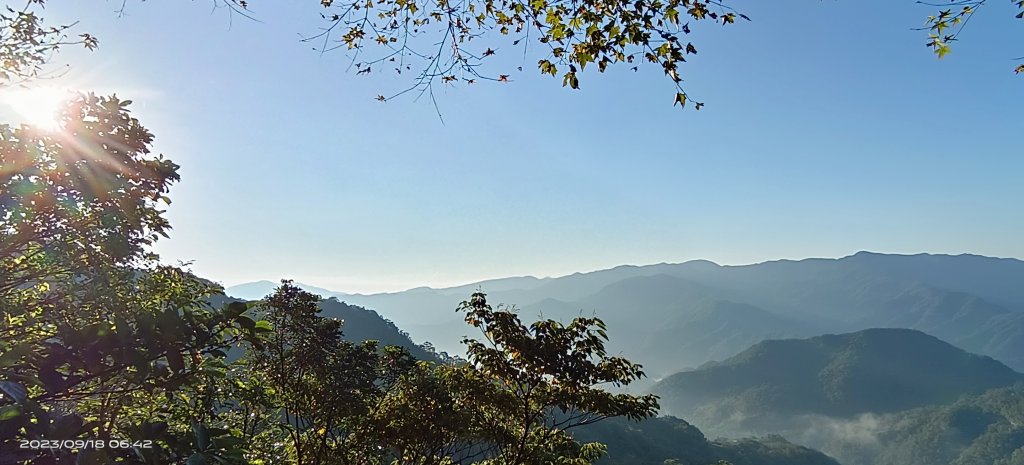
point(320, 388)
point(93, 327)
point(514, 402)
point(551, 378)
point(517, 398)
point(450, 41)
point(946, 26)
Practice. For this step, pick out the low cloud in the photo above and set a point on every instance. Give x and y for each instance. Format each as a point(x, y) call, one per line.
point(862, 430)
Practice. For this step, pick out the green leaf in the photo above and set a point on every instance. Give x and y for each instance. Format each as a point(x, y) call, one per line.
point(680, 99)
point(202, 439)
point(215, 372)
point(228, 442)
point(14, 355)
point(246, 323)
point(570, 80)
point(8, 412)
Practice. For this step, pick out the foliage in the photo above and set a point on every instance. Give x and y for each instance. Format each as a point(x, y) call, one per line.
point(550, 378)
point(438, 35)
point(449, 41)
point(81, 198)
point(945, 26)
point(321, 386)
point(512, 403)
point(875, 370)
point(94, 328)
point(27, 43)
point(434, 40)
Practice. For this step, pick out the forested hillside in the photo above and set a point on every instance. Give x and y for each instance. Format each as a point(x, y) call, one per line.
point(870, 371)
point(874, 397)
point(669, 440)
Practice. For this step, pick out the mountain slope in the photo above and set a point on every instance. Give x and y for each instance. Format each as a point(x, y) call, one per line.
point(358, 324)
point(976, 303)
point(669, 323)
point(713, 330)
point(876, 370)
point(984, 429)
point(873, 397)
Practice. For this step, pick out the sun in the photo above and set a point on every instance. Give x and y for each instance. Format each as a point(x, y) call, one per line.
point(37, 106)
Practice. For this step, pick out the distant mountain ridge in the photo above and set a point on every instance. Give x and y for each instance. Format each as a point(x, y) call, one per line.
point(993, 278)
point(259, 289)
point(660, 315)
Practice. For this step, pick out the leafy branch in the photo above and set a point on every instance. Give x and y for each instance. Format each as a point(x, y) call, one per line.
point(947, 25)
point(27, 44)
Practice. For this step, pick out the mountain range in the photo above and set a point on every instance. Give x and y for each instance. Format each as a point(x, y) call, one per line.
point(672, 317)
point(872, 359)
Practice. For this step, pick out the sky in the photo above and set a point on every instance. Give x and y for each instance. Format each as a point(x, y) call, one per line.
point(829, 128)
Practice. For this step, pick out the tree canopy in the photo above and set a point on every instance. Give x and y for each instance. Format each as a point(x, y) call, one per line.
point(451, 41)
point(94, 327)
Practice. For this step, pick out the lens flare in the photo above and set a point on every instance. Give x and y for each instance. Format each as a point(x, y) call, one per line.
point(37, 106)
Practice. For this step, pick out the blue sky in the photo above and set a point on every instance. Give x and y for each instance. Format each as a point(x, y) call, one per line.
point(829, 128)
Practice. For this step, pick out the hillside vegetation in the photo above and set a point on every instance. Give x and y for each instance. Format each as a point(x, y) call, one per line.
point(870, 371)
point(662, 440)
point(873, 397)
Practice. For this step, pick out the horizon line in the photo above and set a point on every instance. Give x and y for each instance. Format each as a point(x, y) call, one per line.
point(499, 278)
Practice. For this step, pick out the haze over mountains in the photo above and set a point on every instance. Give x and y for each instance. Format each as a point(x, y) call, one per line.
point(872, 359)
point(873, 397)
point(677, 316)
point(670, 440)
point(870, 371)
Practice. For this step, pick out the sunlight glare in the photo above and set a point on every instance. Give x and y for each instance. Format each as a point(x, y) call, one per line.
point(37, 106)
